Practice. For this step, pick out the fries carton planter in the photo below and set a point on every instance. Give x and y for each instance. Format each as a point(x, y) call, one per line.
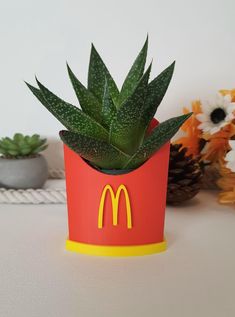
point(117, 215)
point(116, 159)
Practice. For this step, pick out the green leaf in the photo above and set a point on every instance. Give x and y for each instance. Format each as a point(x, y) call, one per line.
point(134, 74)
point(42, 142)
point(100, 153)
point(70, 116)
point(25, 150)
point(12, 152)
point(160, 135)
point(33, 140)
point(108, 109)
point(9, 144)
point(125, 130)
point(97, 75)
point(3, 151)
point(155, 93)
point(88, 102)
point(18, 137)
point(40, 149)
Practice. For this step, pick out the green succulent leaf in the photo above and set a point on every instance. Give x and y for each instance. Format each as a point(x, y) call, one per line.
point(12, 153)
point(3, 151)
point(18, 137)
point(40, 149)
point(155, 93)
point(161, 134)
point(42, 142)
point(33, 140)
point(70, 116)
point(9, 144)
point(88, 102)
point(21, 145)
point(108, 108)
point(25, 150)
point(134, 74)
point(125, 131)
point(98, 74)
point(100, 153)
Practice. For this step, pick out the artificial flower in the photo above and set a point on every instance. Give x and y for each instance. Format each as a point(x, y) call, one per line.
point(227, 184)
point(217, 114)
point(230, 156)
point(217, 144)
point(227, 197)
point(191, 140)
point(231, 92)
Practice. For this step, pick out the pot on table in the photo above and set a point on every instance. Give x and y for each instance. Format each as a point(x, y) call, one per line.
point(116, 215)
point(23, 173)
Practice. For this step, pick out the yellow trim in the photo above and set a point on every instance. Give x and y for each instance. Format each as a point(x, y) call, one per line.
point(115, 204)
point(135, 250)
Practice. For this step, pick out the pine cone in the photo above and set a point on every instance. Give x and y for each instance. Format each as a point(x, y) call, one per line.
point(184, 176)
point(211, 174)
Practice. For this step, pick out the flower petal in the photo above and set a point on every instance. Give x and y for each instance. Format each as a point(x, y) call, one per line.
point(231, 107)
point(231, 166)
point(230, 156)
point(204, 125)
point(202, 117)
point(227, 98)
point(229, 117)
point(232, 144)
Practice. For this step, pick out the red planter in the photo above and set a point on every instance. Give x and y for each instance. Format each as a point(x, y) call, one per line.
point(117, 215)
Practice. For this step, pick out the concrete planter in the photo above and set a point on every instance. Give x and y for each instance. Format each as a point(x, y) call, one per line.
point(23, 173)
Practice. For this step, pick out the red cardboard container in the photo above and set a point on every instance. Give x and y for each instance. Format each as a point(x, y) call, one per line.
point(116, 215)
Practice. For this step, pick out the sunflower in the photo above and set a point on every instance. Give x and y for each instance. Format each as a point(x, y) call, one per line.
point(216, 115)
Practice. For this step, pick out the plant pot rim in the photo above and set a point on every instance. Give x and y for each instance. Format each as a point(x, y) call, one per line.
point(21, 158)
point(116, 171)
point(112, 172)
point(131, 171)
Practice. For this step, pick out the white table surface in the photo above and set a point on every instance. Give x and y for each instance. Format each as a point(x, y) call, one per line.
point(194, 277)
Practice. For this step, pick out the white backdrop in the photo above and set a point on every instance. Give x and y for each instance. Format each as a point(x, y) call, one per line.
point(37, 37)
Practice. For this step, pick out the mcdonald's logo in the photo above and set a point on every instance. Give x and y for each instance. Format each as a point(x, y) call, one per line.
point(115, 205)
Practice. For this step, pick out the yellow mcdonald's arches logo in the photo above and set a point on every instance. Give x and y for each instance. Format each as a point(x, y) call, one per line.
point(115, 204)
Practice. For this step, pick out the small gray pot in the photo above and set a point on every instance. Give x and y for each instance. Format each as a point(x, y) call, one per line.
point(23, 173)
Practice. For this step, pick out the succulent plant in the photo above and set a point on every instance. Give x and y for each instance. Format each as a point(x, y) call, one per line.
point(22, 146)
point(110, 129)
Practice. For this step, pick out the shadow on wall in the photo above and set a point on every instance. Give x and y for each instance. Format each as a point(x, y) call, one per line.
point(54, 154)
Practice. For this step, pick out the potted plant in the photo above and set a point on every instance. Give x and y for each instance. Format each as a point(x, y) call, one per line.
point(116, 159)
point(21, 164)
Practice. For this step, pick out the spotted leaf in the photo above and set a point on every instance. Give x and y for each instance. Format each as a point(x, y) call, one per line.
point(155, 93)
point(125, 131)
point(98, 74)
point(99, 153)
point(88, 102)
point(70, 116)
point(108, 108)
point(134, 74)
point(160, 135)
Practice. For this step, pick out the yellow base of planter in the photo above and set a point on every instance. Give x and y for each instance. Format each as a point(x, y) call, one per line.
point(101, 250)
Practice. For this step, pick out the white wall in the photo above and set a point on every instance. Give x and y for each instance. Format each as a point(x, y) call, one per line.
point(37, 37)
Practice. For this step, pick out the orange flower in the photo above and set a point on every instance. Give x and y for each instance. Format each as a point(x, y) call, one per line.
point(227, 184)
point(218, 143)
point(231, 92)
point(190, 127)
point(227, 197)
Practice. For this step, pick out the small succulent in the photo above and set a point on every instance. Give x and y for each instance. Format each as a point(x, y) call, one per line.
point(110, 129)
point(22, 146)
